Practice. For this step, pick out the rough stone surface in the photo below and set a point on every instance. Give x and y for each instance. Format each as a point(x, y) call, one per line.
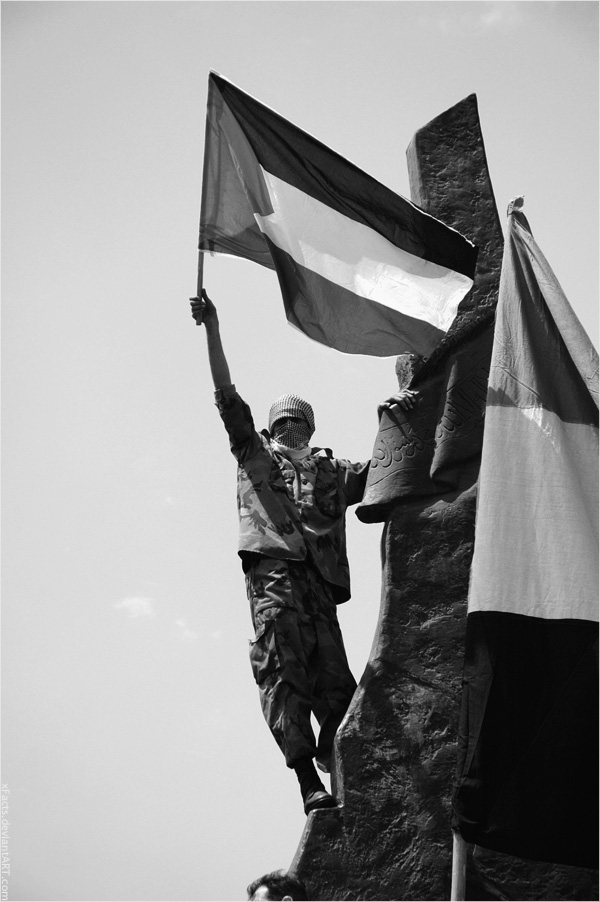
point(396, 750)
point(449, 178)
point(425, 452)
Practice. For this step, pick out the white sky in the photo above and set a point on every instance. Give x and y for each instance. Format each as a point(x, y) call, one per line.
point(138, 762)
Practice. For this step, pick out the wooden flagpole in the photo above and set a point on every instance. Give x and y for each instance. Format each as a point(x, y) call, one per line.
point(200, 273)
point(199, 284)
point(203, 194)
point(459, 869)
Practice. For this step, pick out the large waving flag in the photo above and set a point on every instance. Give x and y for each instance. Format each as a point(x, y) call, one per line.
point(528, 740)
point(361, 269)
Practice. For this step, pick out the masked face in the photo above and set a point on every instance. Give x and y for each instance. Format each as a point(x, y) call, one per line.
point(293, 432)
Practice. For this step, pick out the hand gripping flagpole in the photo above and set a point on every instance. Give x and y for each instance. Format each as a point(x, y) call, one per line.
point(459, 868)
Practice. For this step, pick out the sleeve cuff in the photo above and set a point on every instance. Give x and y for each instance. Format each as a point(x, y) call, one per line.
point(226, 391)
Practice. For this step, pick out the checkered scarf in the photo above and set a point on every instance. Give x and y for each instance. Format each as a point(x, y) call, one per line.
point(292, 435)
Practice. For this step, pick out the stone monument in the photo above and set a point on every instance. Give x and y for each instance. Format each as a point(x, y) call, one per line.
point(395, 756)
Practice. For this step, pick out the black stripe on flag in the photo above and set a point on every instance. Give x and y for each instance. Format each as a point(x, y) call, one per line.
point(297, 158)
point(341, 319)
point(530, 784)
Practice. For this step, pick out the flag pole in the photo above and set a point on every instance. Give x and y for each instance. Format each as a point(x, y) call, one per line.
point(459, 868)
point(203, 191)
point(199, 284)
point(200, 273)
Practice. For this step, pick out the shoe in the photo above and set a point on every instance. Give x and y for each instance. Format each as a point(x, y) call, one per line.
point(318, 799)
point(314, 794)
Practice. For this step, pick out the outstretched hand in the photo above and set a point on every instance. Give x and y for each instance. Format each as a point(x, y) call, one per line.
point(407, 398)
point(203, 309)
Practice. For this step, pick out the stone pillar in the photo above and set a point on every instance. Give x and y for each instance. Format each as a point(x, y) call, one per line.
point(395, 752)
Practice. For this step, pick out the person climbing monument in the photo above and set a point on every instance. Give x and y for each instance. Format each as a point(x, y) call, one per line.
point(292, 500)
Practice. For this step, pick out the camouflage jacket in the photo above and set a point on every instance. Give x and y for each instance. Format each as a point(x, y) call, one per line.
point(287, 510)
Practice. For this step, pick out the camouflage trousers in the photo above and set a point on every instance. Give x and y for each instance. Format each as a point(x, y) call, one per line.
point(297, 656)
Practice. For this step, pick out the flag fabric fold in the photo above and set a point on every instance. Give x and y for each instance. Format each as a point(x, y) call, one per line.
point(527, 771)
point(361, 269)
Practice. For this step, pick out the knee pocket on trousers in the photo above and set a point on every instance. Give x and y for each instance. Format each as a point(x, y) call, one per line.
point(264, 657)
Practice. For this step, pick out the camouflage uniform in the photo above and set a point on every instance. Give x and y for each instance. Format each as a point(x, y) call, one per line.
point(293, 549)
point(297, 656)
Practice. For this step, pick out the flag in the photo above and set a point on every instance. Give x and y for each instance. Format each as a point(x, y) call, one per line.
point(361, 269)
point(527, 774)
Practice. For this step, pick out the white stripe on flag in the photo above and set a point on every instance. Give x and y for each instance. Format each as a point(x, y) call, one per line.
point(357, 258)
point(536, 533)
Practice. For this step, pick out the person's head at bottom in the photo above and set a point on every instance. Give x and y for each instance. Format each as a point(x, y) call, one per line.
point(277, 885)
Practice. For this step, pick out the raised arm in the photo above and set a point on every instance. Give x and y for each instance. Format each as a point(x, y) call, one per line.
point(235, 413)
point(204, 311)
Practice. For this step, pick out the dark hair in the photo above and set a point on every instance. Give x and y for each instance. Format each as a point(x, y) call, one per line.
point(279, 884)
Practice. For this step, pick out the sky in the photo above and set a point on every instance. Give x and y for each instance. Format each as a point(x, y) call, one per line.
point(136, 758)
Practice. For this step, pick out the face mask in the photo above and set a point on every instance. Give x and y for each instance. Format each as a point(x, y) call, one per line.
point(292, 433)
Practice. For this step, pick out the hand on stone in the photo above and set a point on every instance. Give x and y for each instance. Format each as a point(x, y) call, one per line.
point(407, 398)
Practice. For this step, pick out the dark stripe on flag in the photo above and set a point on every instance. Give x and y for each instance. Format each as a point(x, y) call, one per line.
point(301, 160)
point(340, 318)
point(530, 686)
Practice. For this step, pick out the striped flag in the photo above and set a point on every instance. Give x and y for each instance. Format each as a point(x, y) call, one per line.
point(361, 269)
point(527, 778)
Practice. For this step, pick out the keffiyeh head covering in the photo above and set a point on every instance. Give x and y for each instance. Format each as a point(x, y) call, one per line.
point(291, 434)
point(291, 406)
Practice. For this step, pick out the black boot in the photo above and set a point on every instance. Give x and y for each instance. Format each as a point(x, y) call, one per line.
point(314, 794)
